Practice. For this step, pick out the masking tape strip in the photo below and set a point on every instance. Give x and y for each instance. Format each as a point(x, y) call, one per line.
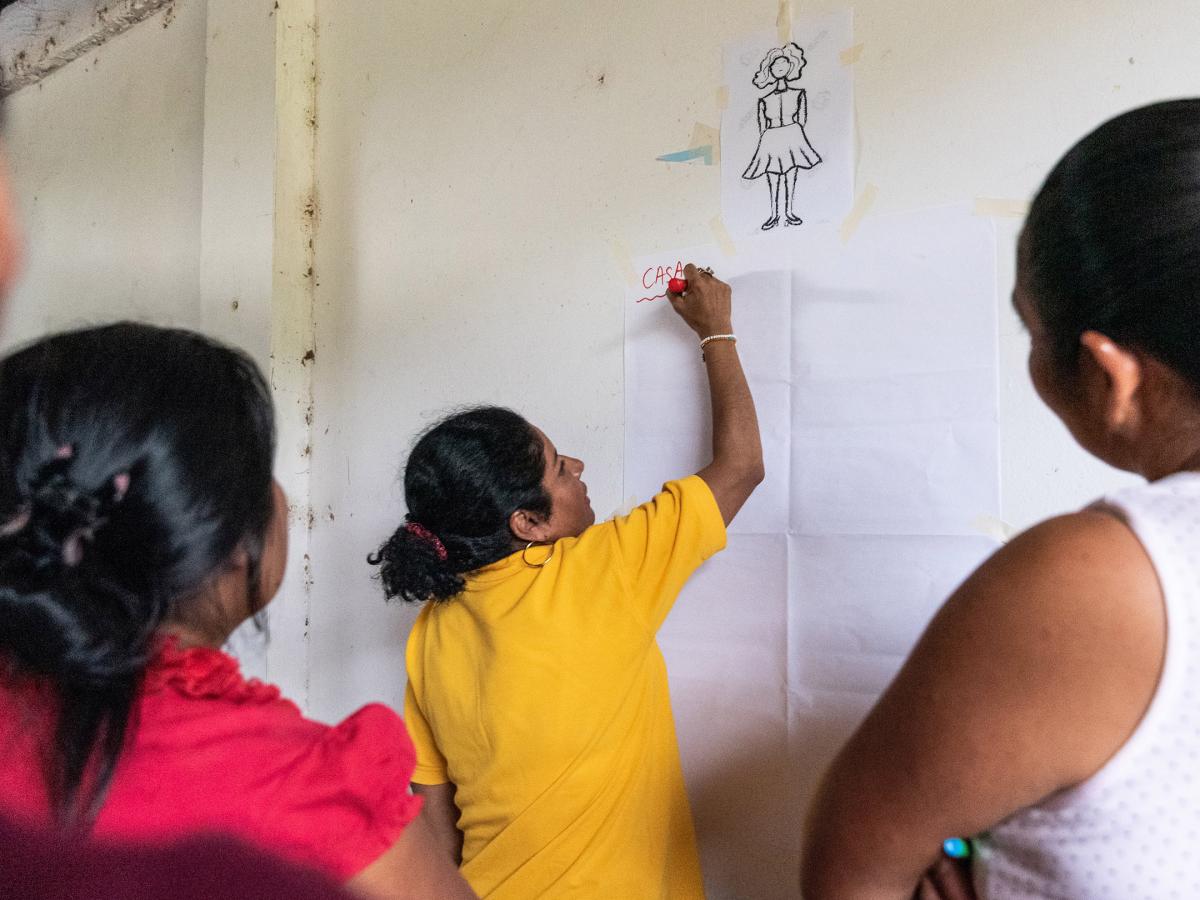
point(624, 261)
point(707, 136)
point(1000, 207)
point(850, 55)
point(861, 207)
point(721, 235)
point(722, 98)
point(996, 529)
point(783, 21)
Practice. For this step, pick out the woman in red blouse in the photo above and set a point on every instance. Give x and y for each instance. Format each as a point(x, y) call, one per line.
point(139, 525)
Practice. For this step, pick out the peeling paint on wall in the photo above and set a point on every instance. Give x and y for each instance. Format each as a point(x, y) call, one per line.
point(39, 36)
point(293, 329)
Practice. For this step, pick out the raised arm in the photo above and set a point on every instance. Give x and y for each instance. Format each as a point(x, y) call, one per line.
point(737, 465)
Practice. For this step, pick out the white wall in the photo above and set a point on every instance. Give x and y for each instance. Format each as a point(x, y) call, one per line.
point(106, 155)
point(476, 162)
point(476, 165)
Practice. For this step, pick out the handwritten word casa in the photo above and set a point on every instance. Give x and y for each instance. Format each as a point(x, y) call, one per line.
point(656, 278)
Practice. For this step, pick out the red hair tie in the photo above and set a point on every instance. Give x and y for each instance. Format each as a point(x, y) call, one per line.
point(419, 530)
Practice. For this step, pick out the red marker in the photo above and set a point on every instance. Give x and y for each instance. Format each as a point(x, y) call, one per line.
point(677, 285)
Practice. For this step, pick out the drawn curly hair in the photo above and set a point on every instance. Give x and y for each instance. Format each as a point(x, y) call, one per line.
point(792, 53)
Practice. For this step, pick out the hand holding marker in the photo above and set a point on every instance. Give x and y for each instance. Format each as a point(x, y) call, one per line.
point(706, 312)
point(680, 285)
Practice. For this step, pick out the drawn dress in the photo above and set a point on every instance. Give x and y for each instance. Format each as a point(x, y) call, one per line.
point(783, 145)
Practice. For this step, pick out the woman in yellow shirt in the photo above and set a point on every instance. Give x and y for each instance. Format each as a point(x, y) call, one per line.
point(537, 695)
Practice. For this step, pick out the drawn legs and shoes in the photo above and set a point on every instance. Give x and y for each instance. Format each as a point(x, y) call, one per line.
point(773, 185)
point(783, 151)
point(789, 198)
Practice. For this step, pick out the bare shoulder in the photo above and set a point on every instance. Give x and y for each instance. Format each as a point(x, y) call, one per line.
point(1068, 586)
point(1027, 681)
point(1068, 621)
point(1089, 550)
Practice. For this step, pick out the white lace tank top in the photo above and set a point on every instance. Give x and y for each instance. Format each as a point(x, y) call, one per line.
point(1132, 830)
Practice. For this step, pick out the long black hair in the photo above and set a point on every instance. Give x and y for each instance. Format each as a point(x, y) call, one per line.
point(134, 461)
point(1112, 242)
point(465, 477)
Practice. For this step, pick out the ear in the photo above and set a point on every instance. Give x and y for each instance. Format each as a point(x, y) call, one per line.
point(529, 526)
point(239, 559)
point(1122, 373)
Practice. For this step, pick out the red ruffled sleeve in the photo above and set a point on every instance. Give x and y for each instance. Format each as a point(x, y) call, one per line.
point(345, 800)
point(214, 751)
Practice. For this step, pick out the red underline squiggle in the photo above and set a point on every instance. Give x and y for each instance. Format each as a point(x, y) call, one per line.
point(650, 299)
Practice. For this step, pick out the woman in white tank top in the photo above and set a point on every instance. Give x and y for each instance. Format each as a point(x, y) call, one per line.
point(1052, 707)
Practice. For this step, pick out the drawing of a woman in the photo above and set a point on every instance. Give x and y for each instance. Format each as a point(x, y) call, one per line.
point(783, 147)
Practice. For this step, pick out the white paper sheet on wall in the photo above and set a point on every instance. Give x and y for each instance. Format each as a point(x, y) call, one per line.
point(873, 366)
point(787, 133)
point(741, 761)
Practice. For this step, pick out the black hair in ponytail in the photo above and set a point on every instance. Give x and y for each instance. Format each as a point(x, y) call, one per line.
point(134, 460)
point(464, 478)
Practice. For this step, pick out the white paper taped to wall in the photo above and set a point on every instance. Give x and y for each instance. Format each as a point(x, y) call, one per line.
point(787, 131)
point(874, 369)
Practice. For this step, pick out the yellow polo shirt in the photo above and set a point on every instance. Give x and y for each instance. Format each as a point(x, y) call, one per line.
point(542, 695)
